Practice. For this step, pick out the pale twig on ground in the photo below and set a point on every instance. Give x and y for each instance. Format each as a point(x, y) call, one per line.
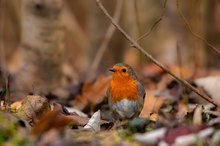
point(138, 47)
point(107, 37)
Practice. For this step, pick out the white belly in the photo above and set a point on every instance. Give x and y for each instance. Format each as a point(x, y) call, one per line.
point(126, 108)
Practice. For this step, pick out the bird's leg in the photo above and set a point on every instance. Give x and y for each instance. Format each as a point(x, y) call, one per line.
point(120, 123)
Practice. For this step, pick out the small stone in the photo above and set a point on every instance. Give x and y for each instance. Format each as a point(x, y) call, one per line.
point(32, 108)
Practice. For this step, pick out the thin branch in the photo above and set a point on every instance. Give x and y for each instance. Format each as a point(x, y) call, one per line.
point(107, 37)
point(155, 24)
point(137, 18)
point(2, 53)
point(192, 32)
point(2, 16)
point(8, 95)
point(179, 59)
point(197, 60)
point(138, 47)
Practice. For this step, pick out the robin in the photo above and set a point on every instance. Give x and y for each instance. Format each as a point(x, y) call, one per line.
point(125, 94)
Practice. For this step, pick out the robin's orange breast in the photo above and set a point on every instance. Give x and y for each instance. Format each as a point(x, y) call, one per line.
point(123, 89)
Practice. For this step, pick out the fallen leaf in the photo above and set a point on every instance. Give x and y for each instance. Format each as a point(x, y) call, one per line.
point(152, 104)
point(94, 122)
point(178, 134)
point(170, 90)
point(151, 138)
point(53, 119)
point(16, 105)
point(216, 138)
point(153, 117)
point(2, 105)
point(51, 137)
point(190, 139)
point(211, 85)
point(197, 116)
point(74, 110)
point(153, 72)
point(182, 109)
point(92, 93)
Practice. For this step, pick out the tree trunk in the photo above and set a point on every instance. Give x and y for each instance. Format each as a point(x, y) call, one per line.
point(41, 46)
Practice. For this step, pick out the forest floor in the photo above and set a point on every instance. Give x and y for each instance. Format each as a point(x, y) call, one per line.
point(172, 114)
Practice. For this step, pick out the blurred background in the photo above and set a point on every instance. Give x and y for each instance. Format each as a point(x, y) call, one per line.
point(169, 30)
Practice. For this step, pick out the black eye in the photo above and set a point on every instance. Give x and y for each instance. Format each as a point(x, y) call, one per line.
point(124, 70)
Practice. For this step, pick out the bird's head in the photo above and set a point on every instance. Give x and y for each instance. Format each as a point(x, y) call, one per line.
point(122, 71)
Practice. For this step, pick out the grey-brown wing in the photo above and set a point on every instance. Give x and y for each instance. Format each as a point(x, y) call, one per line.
point(110, 104)
point(109, 98)
point(141, 90)
point(142, 93)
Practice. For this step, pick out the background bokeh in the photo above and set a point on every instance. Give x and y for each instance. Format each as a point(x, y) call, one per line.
point(86, 26)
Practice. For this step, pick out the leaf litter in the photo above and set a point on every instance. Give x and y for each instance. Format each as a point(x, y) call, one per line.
point(172, 115)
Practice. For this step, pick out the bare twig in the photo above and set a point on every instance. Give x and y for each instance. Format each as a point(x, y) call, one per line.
point(138, 47)
point(155, 24)
point(3, 60)
point(7, 96)
point(107, 36)
point(192, 32)
point(179, 59)
point(137, 16)
point(215, 113)
point(2, 6)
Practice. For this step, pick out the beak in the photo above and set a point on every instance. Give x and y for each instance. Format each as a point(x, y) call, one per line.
point(112, 69)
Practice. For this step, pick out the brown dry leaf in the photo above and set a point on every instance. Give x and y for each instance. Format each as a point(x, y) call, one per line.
point(51, 137)
point(93, 93)
point(51, 120)
point(55, 119)
point(16, 105)
point(187, 135)
point(182, 109)
point(153, 117)
point(81, 101)
point(211, 85)
point(78, 121)
point(82, 121)
point(152, 104)
point(2, 106)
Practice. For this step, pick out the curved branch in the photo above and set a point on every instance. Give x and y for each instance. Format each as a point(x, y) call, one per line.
point(191, 31)
point(107, 37)
point(138, 47)
point(155, 24)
